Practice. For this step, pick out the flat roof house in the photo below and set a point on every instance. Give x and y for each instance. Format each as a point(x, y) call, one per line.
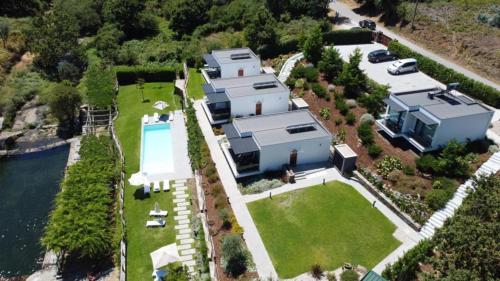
point(430, 118)
point(244, 96)
point(229, 63)
point(269, 142)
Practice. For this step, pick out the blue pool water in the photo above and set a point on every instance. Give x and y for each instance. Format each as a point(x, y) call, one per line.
point(156, 152)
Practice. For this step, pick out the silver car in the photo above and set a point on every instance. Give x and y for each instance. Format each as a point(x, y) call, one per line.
point(403, 66)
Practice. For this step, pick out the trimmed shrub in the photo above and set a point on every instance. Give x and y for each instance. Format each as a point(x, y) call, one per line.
point(437, 198)
point(325, 113)
point(426, 163)
point(348, 37)
point(387, 165)
point(235, 258)
point(445, 75)
point(338, 121)
point(311, 74)
point(349, 275)
point(407, 266)
point(350, 118)
point(299, 83)
point(260, 186)
point(365, 134)
point(374, 150)
point(367, 118)
point(319, 90)
point(127, 75)
point(341, 106)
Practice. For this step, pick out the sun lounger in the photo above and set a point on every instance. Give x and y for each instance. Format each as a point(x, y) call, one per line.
point(156, 186)
point(156, 117)
point(145, 119)
point(166, 185)
point(161, 213)
point(147, 188)
point(171, 116)
point(155, 223)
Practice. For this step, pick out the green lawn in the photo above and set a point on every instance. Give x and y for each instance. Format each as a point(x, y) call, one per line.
point(328, 225)
point(194, 84)
point(141, 240)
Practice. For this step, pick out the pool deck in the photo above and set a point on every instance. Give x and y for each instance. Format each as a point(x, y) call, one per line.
point(182, 165)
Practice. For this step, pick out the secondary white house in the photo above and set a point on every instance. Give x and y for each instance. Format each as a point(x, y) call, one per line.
point(270, 142)
point(244, 96)
point(229, 63)
point(428, 119)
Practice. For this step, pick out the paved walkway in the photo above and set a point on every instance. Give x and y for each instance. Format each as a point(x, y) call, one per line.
point(288, 66)
point(251, 235)
point(346, 11)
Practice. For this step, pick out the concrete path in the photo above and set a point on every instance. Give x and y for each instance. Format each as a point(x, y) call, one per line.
point(251, 235)
point(288, 66)
point(346, 11)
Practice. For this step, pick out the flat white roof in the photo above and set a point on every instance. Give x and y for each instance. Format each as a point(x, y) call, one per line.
point(345, 151)
point(300, 103)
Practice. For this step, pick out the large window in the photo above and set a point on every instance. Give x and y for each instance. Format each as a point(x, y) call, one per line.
point(395, 120)
point(424, 133)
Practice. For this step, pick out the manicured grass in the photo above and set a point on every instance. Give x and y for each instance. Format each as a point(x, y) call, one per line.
point(194, 84)
point(141, 240)
point(329, 225)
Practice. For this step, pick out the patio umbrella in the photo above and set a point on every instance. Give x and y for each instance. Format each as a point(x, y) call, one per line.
point(138, 179)
point(160, 105)
point(157, 207)
point(165, 255)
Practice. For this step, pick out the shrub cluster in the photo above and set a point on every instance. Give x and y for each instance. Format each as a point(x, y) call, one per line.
point(319, 90)
point(365, 134)
point(445, 75)
point(388, 164)
point(453, 161)
point(261, 186)
point(81, 222)
point(127, 75)
point(348, 37)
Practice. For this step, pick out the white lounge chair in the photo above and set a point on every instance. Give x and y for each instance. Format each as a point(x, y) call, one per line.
point(156, 117)
point(166, 185)
point(155, 223)
point(171, 116)
point(145, 119)
point(156, 186)
point(147, 188)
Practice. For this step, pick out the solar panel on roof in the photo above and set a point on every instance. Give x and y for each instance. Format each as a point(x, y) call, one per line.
point(265, 85)
point(467, 100)
point(240, 56)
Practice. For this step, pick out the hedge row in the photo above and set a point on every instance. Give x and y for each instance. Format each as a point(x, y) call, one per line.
point(129, 74)
point(445, 75)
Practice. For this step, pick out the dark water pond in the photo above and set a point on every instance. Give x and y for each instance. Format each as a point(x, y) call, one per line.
point(28, 185)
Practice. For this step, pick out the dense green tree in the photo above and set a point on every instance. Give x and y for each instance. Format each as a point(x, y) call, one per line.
point(100, 84)
point(297, 8)
point(186, 15)
point(260, 33)
point(374, 101)
point(68, 71)
point(107, 42)
point(313, 46)
point(64, 102)
point(331, 63)
point(352, 77)
point(4, 32)
point(131, 17)
point(54, 39)
point(234, 255)
point(22, 8)
point(86, 12)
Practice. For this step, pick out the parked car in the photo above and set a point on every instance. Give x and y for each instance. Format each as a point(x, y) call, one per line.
point(368, 24)
point(381, 55)
point(402, 66)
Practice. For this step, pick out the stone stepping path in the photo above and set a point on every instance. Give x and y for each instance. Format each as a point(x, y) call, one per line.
point(182, 221)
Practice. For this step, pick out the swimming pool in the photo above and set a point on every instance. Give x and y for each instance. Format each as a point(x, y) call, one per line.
point(156, 151)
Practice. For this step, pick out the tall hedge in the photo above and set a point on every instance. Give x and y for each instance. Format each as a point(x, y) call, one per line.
point(127, 75)
point(445, 75)
point(348, 37)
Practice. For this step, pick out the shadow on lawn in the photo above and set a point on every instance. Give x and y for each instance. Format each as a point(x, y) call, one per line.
point(139, 194)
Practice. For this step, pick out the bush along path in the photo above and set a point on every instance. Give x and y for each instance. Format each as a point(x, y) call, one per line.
point(492, 166)
point(183, 229)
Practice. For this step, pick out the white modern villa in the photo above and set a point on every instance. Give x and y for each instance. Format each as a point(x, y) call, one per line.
point(270, 142)
point(229, 63)
point(244, 96)
point(428, 119)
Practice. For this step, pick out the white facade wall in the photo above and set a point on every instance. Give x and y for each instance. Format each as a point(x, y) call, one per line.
point(465, 128)
point(271, 103)
point(229, 70)
point(273, 157)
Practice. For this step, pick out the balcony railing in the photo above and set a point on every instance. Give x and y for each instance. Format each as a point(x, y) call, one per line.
point(423, 141)
point(246, 167)
point(393, 126)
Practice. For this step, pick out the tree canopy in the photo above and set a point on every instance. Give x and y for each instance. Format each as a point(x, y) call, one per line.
point(260, 33)
point(331, 63)
point(313, 45)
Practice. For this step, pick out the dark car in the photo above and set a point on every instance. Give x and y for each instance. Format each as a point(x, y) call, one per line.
point(368, 24)
point(381, 55)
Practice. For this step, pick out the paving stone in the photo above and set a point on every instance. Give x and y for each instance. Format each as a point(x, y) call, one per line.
point(183, 226)
point(180, 209)
point(186, 212)
point(189, 263)
point(184, 231)
point(184, 247)
point(180, 204)
point(183, 236)
point(188, 252)
point(180, 188)
point(178, 218)
point(178, 192)
point(187, 241)
point(186, 221)
point(179, 200)
point(187, 258)
point(181, 196)
point(180, 181)
point(178, 185)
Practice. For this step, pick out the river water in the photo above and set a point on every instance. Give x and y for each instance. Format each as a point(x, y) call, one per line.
point(28, 186)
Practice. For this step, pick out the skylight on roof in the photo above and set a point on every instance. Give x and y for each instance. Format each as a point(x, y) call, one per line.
point(240, 56)
point(265, 85)
point(295, 129)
